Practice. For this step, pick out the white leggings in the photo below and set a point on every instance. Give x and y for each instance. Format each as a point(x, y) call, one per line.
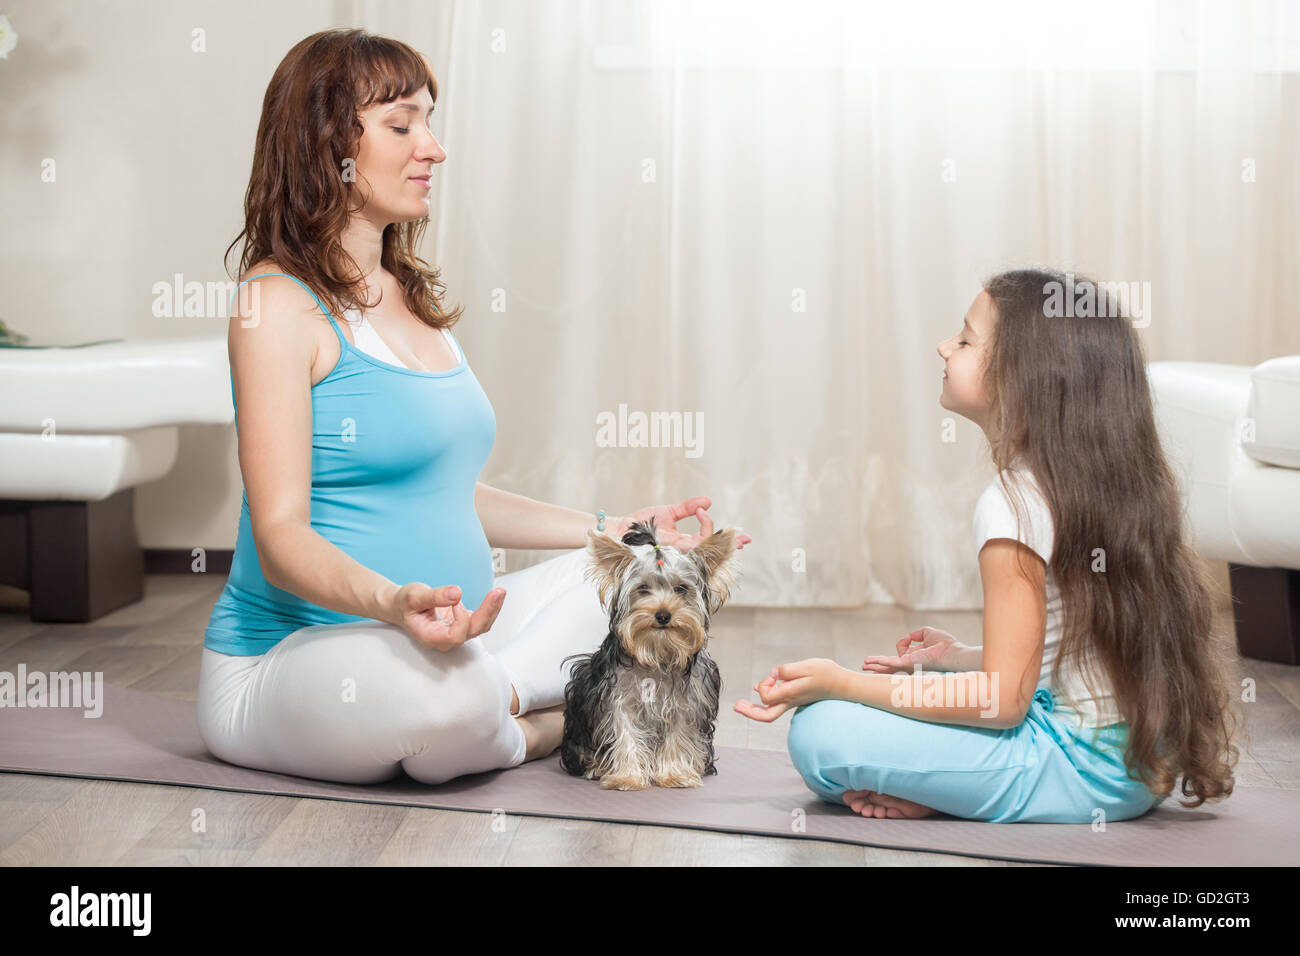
point(358, 703)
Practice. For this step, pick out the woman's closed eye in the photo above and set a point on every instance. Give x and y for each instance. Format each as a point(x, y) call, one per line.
point(401, 129)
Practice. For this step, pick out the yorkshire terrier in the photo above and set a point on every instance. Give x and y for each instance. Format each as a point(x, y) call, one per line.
point(640, 710)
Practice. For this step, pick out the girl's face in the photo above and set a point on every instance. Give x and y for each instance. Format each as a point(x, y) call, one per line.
point(964, 356)
point(397, 149)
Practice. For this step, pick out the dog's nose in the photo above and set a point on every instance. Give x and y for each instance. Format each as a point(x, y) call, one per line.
point(663, 617)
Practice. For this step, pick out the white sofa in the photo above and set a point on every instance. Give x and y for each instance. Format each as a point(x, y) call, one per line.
point(1232, 433)
point(80, 428)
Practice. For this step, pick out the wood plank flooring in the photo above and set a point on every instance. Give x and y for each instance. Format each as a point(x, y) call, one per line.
point(155, 646)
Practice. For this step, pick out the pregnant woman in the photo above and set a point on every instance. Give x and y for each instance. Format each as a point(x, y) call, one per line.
point(343, 646)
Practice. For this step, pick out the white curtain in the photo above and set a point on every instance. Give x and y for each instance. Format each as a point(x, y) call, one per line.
point(764, 216)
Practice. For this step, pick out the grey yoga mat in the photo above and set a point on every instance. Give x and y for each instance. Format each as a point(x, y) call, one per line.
point(143, 738)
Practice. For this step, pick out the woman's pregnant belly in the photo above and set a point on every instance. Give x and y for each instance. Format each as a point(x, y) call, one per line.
point(434, 539)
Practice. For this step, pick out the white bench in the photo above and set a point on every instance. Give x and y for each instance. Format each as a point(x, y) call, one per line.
point(1233, 436)
point(80, 427)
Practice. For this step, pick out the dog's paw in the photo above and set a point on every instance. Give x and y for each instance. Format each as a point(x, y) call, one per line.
point(677, 780)
point(624, 783)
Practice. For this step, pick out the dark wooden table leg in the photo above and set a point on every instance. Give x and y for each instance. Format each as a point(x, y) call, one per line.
point(84, 558)
point(1266, 608)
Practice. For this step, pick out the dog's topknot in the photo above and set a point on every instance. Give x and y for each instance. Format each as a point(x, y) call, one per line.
point(641, 534)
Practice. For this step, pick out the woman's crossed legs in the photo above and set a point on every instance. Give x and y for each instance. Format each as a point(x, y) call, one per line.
point(357, 702)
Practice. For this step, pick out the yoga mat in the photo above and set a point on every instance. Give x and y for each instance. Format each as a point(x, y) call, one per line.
point(143, 738)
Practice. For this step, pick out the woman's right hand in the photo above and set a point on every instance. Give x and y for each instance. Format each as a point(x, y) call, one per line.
point(436, 619)
point(933, 653)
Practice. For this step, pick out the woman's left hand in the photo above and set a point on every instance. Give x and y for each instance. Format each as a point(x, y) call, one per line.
point(793, 685)
point(666, 518)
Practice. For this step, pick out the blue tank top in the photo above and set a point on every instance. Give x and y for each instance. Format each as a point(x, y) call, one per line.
point(395, 456)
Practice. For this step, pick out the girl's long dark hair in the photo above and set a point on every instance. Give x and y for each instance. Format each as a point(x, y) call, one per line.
point(1070, 398)
point(300, 195)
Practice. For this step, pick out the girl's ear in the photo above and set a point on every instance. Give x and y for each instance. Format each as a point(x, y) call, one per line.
point(610, 560)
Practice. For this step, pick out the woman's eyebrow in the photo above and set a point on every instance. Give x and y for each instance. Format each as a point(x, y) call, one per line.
point(410, 107)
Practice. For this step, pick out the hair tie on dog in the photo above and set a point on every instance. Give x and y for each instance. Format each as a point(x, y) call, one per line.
point(659, 560)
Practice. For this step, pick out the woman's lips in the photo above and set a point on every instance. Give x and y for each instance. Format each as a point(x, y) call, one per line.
point(421, 180)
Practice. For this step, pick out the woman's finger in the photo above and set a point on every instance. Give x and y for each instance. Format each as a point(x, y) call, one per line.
point(485, 615)
point(688, 507)
point(706, 523)
point(445, 596)
point(458, 629)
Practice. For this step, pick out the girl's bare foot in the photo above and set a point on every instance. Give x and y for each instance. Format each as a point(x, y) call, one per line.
point(882, 806)
point(543, 729)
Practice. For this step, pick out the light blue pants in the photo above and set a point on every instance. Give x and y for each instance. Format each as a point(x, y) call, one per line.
point(1042, 771)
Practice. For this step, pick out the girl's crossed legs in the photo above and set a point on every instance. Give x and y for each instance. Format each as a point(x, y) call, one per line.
point(358, 702)
point(1040, 771)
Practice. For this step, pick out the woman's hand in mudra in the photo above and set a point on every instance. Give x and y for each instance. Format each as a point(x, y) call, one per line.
point(435, 618)
point(666, 518)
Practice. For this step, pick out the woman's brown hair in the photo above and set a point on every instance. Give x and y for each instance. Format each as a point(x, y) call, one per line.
point(300, 194)
point(1070, 400)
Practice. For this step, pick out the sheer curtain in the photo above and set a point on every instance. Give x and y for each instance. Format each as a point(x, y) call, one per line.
point(763, 217)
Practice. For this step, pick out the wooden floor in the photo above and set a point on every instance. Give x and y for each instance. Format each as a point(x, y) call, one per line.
point(154, 646)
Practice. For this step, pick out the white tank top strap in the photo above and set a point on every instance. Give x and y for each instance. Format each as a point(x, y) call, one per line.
point(367, 340)
point(455, 346)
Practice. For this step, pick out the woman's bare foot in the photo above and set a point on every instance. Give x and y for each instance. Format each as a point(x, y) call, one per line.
point(543, 729)
point(882, 806)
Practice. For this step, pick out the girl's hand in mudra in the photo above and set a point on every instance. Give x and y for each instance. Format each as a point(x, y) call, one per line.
point(666, 518)
point(794, 685)
point(435, 618)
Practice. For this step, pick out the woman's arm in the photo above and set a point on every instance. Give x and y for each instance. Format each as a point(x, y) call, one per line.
point(999, 686)
point(271, 344)
point(513, 521)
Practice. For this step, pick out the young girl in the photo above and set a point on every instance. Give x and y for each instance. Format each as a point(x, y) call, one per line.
point(1098, 684)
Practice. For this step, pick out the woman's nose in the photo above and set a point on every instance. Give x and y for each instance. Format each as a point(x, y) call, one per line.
point(431, 151)
point(942, 350)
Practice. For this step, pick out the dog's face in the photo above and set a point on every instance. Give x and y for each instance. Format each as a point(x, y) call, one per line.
point(660, 599)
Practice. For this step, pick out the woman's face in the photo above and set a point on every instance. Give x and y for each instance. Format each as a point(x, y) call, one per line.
point(397, 148)
point(964, 356)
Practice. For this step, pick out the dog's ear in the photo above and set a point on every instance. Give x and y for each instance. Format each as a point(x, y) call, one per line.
point(713, 557)
point(609, 560)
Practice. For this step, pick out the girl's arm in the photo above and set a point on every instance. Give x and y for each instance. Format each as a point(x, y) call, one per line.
point(965, 658)
point(998, 689)
point(513, 521)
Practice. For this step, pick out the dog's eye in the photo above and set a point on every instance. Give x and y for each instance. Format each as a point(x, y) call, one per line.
point(643, 589)
point(682, 588)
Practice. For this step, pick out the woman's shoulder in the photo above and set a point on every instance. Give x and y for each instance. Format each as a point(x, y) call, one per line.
point(269, 273)
point(277, 291)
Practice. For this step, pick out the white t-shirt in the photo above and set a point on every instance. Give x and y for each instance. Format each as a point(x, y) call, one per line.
point(995, 518)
